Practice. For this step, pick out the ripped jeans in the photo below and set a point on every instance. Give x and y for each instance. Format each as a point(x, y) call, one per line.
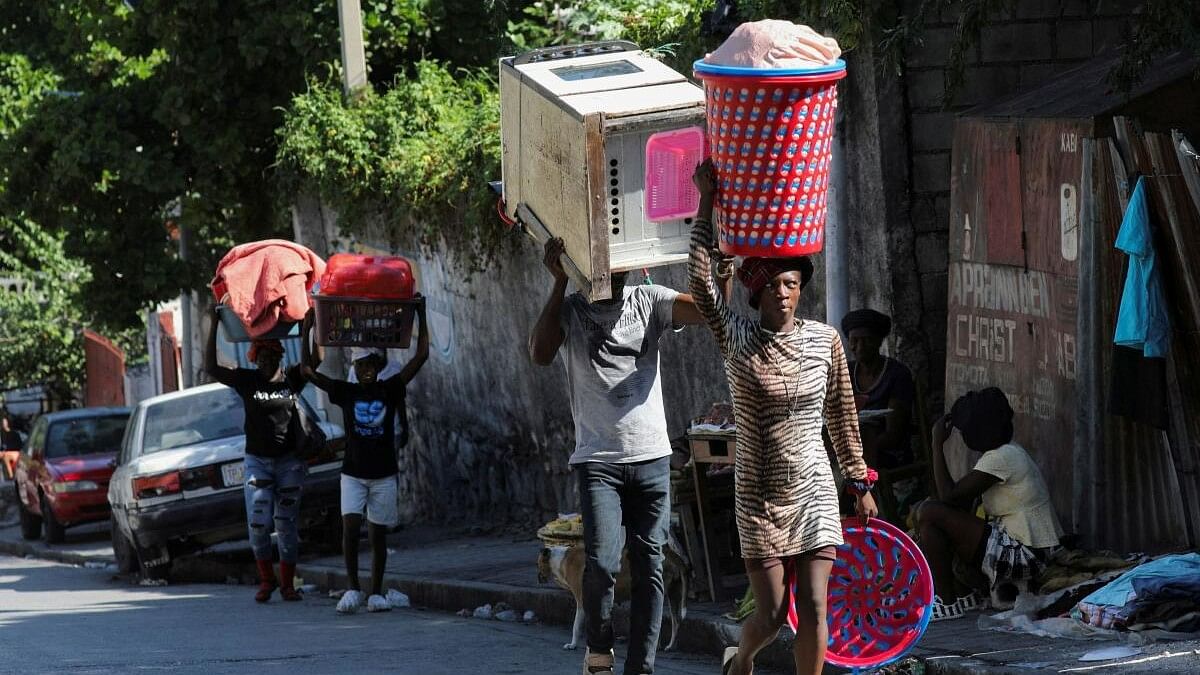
point(273, 487)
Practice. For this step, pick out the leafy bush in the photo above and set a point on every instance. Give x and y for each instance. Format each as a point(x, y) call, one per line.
point(415, 158)
point(40, 313)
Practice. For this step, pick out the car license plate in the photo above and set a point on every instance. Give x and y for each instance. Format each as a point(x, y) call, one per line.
point(234, 474)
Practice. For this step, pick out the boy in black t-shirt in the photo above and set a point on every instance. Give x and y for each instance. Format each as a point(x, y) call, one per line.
point(370, 408)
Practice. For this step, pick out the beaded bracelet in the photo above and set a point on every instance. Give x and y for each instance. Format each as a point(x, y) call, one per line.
point(862, 487)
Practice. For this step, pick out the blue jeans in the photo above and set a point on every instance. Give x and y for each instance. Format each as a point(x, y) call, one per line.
point(273, 487)
point(625, 504)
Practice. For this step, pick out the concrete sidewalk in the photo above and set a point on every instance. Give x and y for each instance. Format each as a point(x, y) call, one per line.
point(455, 573)
point(452, 573)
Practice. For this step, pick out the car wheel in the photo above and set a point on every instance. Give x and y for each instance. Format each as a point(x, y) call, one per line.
point(31, 525)
point(153, 568)
point(55, 531)
point(158, 572)
point(123, 550)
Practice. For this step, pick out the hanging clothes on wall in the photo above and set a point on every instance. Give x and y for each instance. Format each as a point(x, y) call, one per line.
point(1142, 318)
point(1142, 337)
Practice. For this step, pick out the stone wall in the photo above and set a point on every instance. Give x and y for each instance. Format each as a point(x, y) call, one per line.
point(1020, 47)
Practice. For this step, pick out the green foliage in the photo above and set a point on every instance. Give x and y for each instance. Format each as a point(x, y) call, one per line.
point(649, 23)
point(1163, 26)
point(21, 87)
point(40, 321)
point(846, 20)
point(415, 158)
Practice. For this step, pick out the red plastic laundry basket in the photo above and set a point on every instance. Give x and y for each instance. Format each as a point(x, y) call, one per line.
point(771, 140)
point(880, 596)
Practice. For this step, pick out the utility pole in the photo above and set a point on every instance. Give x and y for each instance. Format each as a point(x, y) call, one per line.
point(185, 303)
point(354, 59)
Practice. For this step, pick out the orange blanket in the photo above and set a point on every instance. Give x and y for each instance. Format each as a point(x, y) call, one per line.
point(265, 282)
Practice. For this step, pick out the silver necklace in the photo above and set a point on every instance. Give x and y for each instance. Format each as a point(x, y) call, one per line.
point(791, 399)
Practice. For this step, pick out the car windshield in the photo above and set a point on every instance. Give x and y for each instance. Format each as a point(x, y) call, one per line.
point(85, 436)
point(193, 419)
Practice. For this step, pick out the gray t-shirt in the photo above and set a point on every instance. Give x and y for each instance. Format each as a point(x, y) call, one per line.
point(611, 355)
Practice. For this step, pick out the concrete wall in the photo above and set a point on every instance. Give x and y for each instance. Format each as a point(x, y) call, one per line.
point(1019, 48)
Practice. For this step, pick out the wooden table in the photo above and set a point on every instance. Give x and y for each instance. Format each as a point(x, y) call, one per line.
point(709, 449)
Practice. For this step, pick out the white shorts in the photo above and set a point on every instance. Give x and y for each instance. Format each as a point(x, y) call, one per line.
point(376, 497)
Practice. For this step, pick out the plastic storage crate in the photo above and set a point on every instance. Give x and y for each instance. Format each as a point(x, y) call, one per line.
point(361, 322)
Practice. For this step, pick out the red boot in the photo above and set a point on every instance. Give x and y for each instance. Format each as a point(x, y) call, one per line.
point(266, 581)
point(287, 580)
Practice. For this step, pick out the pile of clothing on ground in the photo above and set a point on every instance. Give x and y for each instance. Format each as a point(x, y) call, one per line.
point(1163, 593)
point(1106, 596)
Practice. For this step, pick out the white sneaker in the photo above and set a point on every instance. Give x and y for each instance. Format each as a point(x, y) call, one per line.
point(397, 599)
point(350, 602)
point(377, 603)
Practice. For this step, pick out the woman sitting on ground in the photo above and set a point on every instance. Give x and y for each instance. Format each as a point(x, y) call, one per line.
point(1012, 545)
point(880, 383)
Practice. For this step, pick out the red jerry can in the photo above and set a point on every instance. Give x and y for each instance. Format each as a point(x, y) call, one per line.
point(350, 275)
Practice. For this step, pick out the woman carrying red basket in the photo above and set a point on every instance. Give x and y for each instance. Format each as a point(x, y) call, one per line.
point(785, 375)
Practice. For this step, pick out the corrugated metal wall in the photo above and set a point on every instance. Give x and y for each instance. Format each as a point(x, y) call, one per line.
point(1133, 493)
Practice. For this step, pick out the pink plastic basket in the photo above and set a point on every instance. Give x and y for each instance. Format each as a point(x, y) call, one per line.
point(671, 159)
point(771, 140)
point(880, 596)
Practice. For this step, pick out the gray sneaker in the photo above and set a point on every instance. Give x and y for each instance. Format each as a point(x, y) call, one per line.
point(377, 603)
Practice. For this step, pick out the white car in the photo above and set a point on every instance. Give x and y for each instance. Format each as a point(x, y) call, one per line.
point(178, 483)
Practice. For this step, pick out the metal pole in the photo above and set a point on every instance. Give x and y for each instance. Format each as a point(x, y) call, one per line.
point(837, 273)
point(354, 59)
point(185, 305)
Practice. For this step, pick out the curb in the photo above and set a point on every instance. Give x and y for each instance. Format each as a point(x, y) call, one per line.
point(22, 550)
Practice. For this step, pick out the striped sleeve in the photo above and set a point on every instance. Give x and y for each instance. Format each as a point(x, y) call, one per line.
point(841, 417)
point(707, 296)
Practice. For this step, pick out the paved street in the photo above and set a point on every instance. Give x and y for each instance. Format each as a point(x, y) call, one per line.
point(57, 618)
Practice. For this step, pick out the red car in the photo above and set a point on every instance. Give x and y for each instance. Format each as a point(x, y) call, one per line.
point(63, 472)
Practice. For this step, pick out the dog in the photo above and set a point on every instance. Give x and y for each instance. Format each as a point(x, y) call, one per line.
point(564, 564)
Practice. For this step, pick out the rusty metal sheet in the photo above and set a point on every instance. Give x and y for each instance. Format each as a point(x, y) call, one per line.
point(1013, 280)
point(105, 368)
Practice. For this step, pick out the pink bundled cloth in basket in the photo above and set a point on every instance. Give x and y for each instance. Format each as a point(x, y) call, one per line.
point(775, 44)
point(265, 282)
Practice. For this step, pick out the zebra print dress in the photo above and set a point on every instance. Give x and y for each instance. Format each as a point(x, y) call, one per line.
point(783, 384)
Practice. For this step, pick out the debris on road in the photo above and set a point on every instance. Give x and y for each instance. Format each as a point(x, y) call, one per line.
point(397, 599)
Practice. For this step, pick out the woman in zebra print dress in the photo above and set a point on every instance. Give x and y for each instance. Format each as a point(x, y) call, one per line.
point(785, 376)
